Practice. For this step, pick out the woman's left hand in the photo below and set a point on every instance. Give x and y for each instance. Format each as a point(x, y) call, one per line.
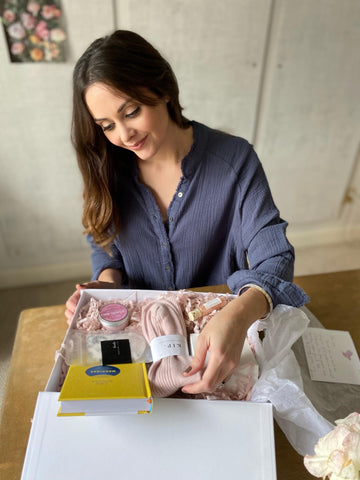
point(223, 337)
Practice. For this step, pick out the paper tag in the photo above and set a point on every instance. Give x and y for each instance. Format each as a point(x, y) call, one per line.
point(331, 356)
point(167, 346)
point(115, 351)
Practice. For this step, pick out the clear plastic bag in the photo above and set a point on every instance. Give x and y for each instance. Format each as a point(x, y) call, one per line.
point(84, 348)
point(280, 381)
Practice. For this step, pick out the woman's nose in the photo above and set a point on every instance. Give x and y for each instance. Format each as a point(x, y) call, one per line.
point(125, 134)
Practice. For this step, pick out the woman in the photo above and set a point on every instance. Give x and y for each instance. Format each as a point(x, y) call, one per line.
point(170, 203)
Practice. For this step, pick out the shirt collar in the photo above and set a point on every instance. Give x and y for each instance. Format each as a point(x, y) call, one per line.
point(192, 160)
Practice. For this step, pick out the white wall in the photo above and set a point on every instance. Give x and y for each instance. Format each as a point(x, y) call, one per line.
point(282, 73)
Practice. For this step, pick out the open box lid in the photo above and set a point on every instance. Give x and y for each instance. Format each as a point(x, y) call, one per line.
point(201, 439)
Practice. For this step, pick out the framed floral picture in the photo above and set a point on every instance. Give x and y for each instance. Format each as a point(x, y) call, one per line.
point(34, 30)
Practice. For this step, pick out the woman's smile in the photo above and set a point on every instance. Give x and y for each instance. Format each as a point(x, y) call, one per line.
point(138, 145)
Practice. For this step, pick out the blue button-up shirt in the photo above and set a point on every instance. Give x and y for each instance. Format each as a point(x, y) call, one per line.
point(222, 226)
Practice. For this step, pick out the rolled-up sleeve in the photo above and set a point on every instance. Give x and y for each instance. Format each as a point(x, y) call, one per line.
point(270, 256)
point(101, 260)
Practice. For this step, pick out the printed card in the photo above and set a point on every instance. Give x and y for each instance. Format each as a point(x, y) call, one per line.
point(115, 351)
point(331, 356)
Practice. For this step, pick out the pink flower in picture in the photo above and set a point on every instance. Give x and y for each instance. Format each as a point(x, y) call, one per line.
point(42, 30)
point(28, 21)
point(17, 31)
point(9, 16)
point(17, 48)
point(33, 7)
point(50, 11)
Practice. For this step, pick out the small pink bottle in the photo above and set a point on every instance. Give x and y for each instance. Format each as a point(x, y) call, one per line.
point(206, 308)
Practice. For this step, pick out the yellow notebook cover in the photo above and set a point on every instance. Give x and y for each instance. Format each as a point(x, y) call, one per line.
point(105, 389)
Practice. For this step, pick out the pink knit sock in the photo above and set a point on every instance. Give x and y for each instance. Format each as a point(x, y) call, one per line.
point(158, 318)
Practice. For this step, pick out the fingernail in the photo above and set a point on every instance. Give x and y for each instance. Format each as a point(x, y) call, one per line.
point(82, 284)
point(188, 369)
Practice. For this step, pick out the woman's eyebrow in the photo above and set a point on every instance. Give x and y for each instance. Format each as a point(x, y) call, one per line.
point(118, 111)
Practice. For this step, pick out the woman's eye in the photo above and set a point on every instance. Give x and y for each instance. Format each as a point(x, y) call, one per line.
point(106, 128)
point(133, 113)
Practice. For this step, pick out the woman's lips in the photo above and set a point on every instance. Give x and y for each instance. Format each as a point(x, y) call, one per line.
point(137, 145)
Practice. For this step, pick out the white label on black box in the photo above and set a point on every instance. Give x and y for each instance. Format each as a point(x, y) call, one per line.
point(167, 346)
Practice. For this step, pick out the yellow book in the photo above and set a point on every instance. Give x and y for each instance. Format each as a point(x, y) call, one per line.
point(105, 390)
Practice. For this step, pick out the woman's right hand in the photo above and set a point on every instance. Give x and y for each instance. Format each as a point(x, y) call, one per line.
point(73, 300)
point(108, 278)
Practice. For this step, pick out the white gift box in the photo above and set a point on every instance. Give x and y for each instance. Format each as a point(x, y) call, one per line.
point(182, 438)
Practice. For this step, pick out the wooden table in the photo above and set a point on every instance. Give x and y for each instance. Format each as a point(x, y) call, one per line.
point(334, 300)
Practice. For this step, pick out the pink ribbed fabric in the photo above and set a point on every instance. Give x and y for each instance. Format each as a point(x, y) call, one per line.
point(164, 317)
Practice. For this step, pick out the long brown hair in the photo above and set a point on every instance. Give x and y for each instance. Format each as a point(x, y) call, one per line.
point(129, 64)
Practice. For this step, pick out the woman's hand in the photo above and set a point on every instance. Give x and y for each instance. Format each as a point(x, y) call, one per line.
point(108, 278)
point(223, 337)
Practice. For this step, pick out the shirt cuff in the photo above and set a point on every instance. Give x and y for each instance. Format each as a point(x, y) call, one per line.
point(264, 292)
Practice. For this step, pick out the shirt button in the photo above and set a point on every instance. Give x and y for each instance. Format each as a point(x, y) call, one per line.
point(163, 244)
point(167, 268)
point(171, 219)
point(180, 194)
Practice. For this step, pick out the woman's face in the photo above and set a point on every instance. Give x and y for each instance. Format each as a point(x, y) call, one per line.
point(127, 123)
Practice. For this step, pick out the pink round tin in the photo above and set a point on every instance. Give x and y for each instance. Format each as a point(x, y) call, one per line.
point(114, 316)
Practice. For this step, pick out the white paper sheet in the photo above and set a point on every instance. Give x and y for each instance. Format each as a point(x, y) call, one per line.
point(331, 356)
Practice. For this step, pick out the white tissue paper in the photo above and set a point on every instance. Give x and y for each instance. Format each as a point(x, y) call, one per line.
point(280, 381)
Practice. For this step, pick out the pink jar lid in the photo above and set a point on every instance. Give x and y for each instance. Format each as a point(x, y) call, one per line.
point(114, 316)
